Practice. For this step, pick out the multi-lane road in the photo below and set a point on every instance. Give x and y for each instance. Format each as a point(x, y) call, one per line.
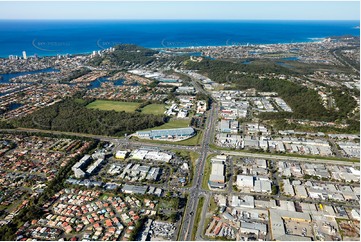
point(195, 191)
point(344, 61)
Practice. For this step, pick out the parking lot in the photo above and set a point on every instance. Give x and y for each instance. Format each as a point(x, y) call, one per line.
point(298, 228)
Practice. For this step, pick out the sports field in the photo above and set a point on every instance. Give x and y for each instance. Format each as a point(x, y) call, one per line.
point(113, 105)
point(156, 109)
point(174, 124)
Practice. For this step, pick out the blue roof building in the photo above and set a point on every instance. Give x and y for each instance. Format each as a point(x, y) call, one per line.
point(167, 133)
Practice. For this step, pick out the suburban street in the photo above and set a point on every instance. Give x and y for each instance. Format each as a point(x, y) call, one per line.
point(195, 192)
point(174, 121)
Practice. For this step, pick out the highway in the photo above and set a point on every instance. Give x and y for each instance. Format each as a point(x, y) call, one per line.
point(194, 191)
point(203, 217)
point(116, 140)
point(294, 158)
point(209, 132)
point(342, 60)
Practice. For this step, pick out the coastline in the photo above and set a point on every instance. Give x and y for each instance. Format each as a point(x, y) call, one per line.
point(51, 38)
point(311, 40)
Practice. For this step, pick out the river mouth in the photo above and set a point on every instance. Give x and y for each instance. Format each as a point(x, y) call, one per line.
point(5, 78)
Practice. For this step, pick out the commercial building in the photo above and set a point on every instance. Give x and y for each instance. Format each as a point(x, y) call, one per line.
point(78, 173)
point(254, 184)
point(300, 191)
point(243, 202)
point(228, 216)
point(175, 134)
point(229, 126)
point(245, 181)
point(355, 213)
point(350, 149)
point(182, 113)
point(134, 189)
point(83, 162)
point(80, 166)
point(277, 226)
point(189, 90)
point(141, 154)
point(253, 228)
point(153, 173)
point(158, 156)
point(288, 188)
point(201, 107)
point(121, 154)
point(230, 140)
point(263, 186)
point(217, 176)
point(94, 167)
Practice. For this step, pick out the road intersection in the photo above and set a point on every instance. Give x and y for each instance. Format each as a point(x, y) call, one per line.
point(196, 191)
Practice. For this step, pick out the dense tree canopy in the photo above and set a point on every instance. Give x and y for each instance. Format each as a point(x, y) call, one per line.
point(218, 70)
point(124, 55)
point(305, 102)
point(72, 116)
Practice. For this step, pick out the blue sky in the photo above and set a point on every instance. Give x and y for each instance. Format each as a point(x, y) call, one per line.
point(275, 10)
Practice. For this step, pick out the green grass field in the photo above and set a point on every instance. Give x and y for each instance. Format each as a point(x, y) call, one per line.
point(156, 109)
point(79, 100)
point(213, 207)
point(207, 172)
point(195, 140)
point(113, 105)
point(197, 218)
point(173, 124)
point(169, 204)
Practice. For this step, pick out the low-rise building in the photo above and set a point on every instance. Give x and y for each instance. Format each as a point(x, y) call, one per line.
point(168, 134)
point(277, 226)
point(121, 154)
point(253, 228)
point(134, 189)
point(201, 107)
point(254, 184)
point(217, 176)
point(243, 202)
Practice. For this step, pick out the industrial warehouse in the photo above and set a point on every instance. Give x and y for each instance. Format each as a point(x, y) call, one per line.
point(217, 176)
point(167, 134)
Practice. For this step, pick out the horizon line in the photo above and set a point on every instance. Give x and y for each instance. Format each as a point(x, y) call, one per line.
point(165, 19)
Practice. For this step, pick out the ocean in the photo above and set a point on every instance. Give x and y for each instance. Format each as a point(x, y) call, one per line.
point(52, 37)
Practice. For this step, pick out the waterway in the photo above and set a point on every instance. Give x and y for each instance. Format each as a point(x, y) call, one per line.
point(5, 78)
point(13, 106)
